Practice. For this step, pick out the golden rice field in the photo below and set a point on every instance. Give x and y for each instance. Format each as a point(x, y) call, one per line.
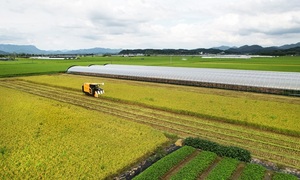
point(138, 102)
point(42, 138)
point(279, 113)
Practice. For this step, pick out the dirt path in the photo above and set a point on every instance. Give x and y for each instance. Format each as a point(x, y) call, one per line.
point(262, 144)
point(268, 175)
point(174, 170)
point(238, 171)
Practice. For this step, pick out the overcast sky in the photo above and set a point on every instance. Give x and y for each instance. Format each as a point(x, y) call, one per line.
point(128, 24)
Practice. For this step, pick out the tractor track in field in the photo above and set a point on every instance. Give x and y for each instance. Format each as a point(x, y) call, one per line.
point(263, 144)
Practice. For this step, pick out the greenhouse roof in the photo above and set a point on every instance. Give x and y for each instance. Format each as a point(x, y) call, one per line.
point(266, 79)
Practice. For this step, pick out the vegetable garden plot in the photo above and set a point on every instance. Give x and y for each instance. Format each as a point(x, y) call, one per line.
point(206, 165)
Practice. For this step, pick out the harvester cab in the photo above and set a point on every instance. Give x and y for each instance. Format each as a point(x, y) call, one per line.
point(92, 89)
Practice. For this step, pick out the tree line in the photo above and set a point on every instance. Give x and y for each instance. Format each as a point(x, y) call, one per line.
point(260, 51)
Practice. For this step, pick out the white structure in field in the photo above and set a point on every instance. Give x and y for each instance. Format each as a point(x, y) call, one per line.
point(250, 78)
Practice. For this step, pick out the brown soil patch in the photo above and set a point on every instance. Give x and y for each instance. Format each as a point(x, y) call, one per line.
point(238, 171)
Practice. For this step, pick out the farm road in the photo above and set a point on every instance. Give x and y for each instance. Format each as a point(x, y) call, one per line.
point(278, 148)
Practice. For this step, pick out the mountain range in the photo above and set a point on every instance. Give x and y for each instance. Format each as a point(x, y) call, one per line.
point(289, 49)
point(246, 49)
point(30, 49)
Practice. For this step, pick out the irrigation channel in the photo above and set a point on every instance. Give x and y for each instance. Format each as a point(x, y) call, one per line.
point(277, 148)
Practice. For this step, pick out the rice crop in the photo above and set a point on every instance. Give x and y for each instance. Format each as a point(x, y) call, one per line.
point(269, 112)
point(278, 148)
point(42, 138)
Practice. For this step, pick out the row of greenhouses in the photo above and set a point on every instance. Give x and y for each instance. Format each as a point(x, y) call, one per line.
point(268, 81)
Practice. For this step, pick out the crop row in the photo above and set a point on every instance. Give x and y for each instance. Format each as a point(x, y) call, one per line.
point(224, 169)
point(253, 171)
point(163, 165)
point(280, 148)
point(282, 176)
point(195, 167)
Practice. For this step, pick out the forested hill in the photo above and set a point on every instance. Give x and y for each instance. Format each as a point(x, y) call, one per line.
point(292, 49)
point(171, 51)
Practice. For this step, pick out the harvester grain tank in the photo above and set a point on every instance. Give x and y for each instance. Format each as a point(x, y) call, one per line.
point(92, 89)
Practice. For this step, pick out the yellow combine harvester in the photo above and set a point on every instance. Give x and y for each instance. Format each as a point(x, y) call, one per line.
point(92, 89)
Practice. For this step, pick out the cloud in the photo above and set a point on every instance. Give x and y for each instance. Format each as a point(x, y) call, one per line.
point(275, 26)
point(63, 24)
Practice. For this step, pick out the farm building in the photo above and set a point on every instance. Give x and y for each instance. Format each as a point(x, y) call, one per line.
point(287, 83)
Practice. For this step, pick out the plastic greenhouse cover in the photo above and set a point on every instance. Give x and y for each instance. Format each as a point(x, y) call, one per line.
point(269, 79)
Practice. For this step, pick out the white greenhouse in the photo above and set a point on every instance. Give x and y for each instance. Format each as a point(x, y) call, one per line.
point(246, 80)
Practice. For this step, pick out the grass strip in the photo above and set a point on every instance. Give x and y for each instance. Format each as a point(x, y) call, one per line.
point(252, 171)
point(195, 167)
point(163, 165)
point(223, 170)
